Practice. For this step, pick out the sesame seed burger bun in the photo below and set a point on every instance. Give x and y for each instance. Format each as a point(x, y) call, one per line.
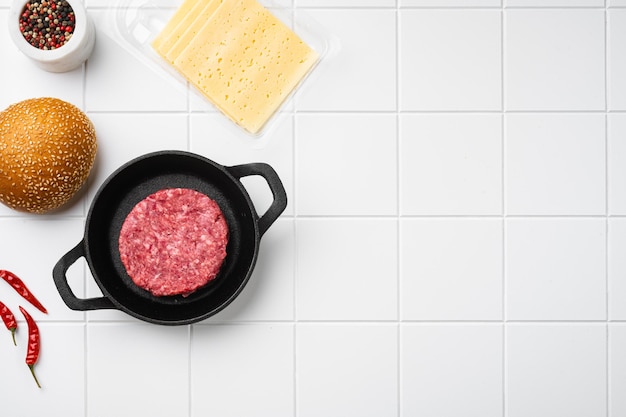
point(47, 149)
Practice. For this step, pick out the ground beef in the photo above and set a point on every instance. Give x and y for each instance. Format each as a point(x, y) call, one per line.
point(174, 241)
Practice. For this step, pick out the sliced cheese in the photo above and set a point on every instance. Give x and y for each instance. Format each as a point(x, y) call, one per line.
point(246, 61)
point(193, 26)
point(186, 9)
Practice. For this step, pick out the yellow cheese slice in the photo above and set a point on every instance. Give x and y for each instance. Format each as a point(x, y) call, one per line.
point(186, 9)
point(246, 61)
point(194, 24)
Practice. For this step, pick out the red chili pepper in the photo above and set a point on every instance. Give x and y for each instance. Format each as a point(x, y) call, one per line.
point(21, 288)
point(34, 343)
point(9, 320)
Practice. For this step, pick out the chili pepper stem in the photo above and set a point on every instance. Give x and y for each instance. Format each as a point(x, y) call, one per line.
point(32, 371)
point(13, 335)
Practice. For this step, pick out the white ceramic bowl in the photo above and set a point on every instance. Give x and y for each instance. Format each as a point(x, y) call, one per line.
point(67, 57)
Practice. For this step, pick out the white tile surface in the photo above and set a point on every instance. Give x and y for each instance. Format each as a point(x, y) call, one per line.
point(617, 364)
point(451, 269)
point(450, 361)
point(555, 164)
point(616, 43)
point(346, 370)
point(556, 370)
point(118, 81)
point(161, 373)
point(553, 3)
point(616, 144)
point(345, 3)
point(450, 164)
point(452, 244)
point(346, 164)
point(450, 3)
point(360, 66)
point(617, 268)
point(555, 269)
point(334, 282)
point(264, 351)
point(435, 44)
point(554, 59)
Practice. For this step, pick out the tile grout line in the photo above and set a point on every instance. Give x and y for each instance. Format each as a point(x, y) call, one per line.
point(294, 231)
point(189, 368)
point(606, 208)
point(399, 327)
point(503, 209)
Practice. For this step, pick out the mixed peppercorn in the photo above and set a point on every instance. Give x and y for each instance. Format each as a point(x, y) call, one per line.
point(34, 343)
point(47, 24)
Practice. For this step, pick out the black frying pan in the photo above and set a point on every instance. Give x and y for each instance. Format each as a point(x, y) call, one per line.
point(132, 183)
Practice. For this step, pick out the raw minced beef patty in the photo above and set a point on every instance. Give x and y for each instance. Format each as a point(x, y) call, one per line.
point(173, 241)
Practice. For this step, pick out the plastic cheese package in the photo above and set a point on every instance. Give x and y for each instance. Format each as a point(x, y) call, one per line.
point(245, 58)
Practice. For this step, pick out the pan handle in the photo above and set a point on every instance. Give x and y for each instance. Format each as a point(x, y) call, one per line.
point(276, 186)
point(60, 280)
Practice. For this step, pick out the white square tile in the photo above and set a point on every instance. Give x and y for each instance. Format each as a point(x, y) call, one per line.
point(119, 81)
point(60, 370)
point(617, 369)
point(617, 268)
point(556, 370)
point(451, 269)
point(269, 293)
point(239, 370)
point(31, 81)
point(346, 269)
point(451, 371)
point(616, 142)
point(554, 59)
point(358, 71)
point(30, 248)
point(555, 164)
point(555, 269)
point(616, 55)
point(450, 60)
point(277, 3)
point(450, 164)
point(211, 136)
point(616, 3)
point(346, 370)
point(345, 3)
point(449, 3)
point(346, 164)
point(146, 371)
point(554, 3)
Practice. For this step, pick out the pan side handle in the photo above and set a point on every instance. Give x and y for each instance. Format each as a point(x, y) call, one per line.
point(276, 187)
point(60, 280)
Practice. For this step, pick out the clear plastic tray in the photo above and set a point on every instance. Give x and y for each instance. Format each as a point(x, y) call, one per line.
point(135, 23)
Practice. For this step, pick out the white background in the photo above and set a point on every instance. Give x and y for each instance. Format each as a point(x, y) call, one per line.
point(454, 243)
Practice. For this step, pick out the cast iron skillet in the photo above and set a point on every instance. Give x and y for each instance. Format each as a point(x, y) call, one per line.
point(132, 183)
